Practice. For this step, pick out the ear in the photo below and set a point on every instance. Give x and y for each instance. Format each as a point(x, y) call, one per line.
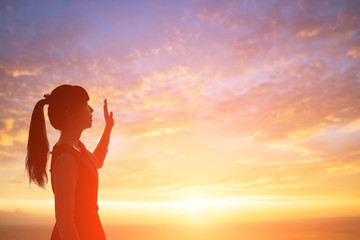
point(67, 115)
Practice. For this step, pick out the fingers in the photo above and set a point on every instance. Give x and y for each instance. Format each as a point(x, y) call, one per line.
point(106, 111)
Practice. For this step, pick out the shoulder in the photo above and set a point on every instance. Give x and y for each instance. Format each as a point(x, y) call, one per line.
point(61, 148)
point(64, 161)
point(63, 151)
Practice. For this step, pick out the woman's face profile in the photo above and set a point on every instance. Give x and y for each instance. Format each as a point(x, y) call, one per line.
point(82, 117)
point(86, 115)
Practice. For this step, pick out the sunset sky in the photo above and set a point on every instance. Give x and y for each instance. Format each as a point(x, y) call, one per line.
point(225, 111)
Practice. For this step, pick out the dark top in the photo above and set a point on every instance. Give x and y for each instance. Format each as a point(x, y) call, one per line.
point(86, 217)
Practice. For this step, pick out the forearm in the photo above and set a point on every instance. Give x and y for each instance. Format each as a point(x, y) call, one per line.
point(102, 147)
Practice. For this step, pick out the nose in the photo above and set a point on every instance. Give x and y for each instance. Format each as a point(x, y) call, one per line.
point(91, 109)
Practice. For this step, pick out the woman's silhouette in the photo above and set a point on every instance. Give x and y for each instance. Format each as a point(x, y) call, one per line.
point(74, 176)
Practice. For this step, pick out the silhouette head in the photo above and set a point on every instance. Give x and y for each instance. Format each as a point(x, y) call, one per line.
point(65, 100)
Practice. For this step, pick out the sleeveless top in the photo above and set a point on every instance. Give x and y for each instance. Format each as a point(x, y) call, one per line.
point(86, 217)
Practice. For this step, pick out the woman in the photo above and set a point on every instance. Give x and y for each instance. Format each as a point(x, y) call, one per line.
point(74, 176)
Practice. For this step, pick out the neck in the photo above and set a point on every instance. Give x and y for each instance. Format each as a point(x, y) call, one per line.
point(71, 137)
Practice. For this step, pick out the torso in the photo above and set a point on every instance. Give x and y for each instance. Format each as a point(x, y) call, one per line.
point(85, 209)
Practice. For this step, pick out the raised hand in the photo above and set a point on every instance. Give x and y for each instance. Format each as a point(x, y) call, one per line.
point(109, 120)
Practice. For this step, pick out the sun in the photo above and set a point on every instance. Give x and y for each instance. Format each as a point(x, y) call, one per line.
point(200, 210)
point(194, 210)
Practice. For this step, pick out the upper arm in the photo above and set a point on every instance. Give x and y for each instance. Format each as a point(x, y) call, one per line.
point(65, 175)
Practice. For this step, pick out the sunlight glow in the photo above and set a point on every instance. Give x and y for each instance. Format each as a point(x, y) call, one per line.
point(225, 111)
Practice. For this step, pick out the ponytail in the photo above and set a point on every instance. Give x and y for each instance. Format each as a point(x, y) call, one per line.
point(38, 146)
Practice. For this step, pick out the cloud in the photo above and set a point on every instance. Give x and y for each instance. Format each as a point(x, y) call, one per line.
point(337, 151)
point(221, 97)
point(80, 63)
point(291, 109)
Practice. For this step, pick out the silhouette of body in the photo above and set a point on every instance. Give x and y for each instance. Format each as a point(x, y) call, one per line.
point(74, 175)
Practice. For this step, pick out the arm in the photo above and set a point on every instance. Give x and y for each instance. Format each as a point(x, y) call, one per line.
point(65, 174)
point(102, 147)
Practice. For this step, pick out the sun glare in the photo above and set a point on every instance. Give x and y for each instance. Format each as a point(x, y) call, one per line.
point(187, 211)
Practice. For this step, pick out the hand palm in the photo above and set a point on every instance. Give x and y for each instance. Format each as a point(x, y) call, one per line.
point(109, 120)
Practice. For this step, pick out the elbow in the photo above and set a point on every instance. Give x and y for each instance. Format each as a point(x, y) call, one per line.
point(99, 162)
point(100, 165)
